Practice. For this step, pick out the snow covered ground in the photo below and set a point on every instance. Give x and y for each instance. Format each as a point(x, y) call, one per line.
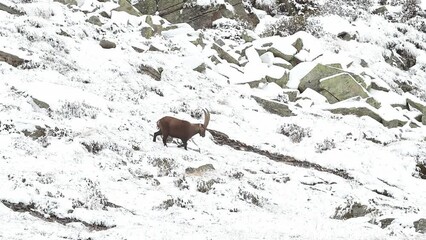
point(95, 167)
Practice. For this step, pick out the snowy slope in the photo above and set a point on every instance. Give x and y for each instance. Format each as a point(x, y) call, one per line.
point(97, 171)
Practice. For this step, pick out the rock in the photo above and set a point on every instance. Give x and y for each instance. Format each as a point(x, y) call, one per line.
point(384, 223)
point(147, 7)
point(105, 14)
point(200, 170)
point(147, 32)
point(11, 59)
point(373, 102)
point(380, 10)
point(341, 87)
point(36, 134)
point(67, 2)
point(320, 71)
point(63, 33)
point(286, 55)
point(268, 58)
point(346, 36)
point(225, 55)
point(363, 63)
point(95, 21)
point(274, 107)
point(291, 93)
point(282, 81)
point(352, 210)
point(125, 6)
point(249, 36)
point(201, 68)
point(10, 10)
point(40, 104)
point(151, 71)
point(255, 84)
point(420, 225)
point(298, 44)
point(107, 44)
point(282, 63)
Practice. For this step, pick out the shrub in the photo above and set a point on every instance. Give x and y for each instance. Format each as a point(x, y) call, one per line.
point(295, 132)
point(326, 145)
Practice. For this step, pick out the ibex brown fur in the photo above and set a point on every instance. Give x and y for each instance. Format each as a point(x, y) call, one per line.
point(184, 130)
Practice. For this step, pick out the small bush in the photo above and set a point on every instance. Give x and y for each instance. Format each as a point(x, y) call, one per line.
point(250, 197)
point(349, 10)
point(295, 132)
point(165, 166)
point(326, 145)
point(178, 202)
point(77, 110)
point(410, 9)
point(287, 26)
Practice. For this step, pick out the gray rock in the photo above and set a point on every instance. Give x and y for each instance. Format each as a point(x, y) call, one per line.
point(255, 83)
point(384, 223)
point(125, 6)
point(352, 210)
point(346, 36)
point(11, 59)
point(278, 53)
point(420, 225)
point(341, 87)
point(292, 94)
point(373, 102)
point(380, 10)
point(274, 107)
point(147, 32)
point(36, 134)
point(107, 44)
point(10, 10)
point(105, 14)
point(282, 81)
point(298, 44)
point(67, 2)
point(249, 36)
point(312, 79)
point(225, 55)
point(147, 7)
point(201, 68)
point(95, 21)
point(401, 59)
point(40, 104)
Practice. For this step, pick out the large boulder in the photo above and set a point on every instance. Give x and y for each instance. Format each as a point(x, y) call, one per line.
point(320, 71)
point(341, 87)
point(198, 16)
point(420, 225)
point(10, 10)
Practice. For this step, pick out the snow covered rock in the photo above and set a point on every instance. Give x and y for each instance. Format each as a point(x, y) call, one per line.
point(225, 55)
point(420, 225)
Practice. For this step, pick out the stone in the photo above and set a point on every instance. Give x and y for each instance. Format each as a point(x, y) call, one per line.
point(10, 10)
point(401, 59)
point(125, 6)
point(291, 93)
point(36, 134)
point(40, 104)
point(107, 44)
point(384, 223)
point(298, 44)
point(346, 36)
point(288, 56)
point(147, 32)
point(249, 36)
point(320, 71)
point(282, 81)
point(341, 86)
point(11, 59)
point(201, 68)
point(146, 7)
point(380, 10)
point(67, 2)
point(420, 225)
point(352, 210)
point(224, 54)
point(255, 83)
point(105, 14)
point(95, 21)
point(274, 107)
point(373, 102)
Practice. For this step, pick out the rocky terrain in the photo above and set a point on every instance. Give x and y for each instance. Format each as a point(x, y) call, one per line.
point(317, 131)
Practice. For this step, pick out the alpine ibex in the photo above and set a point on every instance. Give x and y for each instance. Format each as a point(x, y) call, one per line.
point(184, 130)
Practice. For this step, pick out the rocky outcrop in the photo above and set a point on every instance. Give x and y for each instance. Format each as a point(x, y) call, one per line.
point(125, 6)
point(179, 11)
point(352, 210)
point(107, 44)
point(420, 225)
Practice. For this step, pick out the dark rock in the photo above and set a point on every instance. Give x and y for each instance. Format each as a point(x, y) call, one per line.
point(420, 225)
point(11, 59)
point(94, 20)
point(107, 44)
point(346, 36)
point(380, 10)
point(384, 223)
point(225, 55)
point(421, 169)
point(401, 59)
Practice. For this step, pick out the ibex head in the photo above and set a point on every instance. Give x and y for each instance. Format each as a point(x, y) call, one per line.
point(177, 128)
